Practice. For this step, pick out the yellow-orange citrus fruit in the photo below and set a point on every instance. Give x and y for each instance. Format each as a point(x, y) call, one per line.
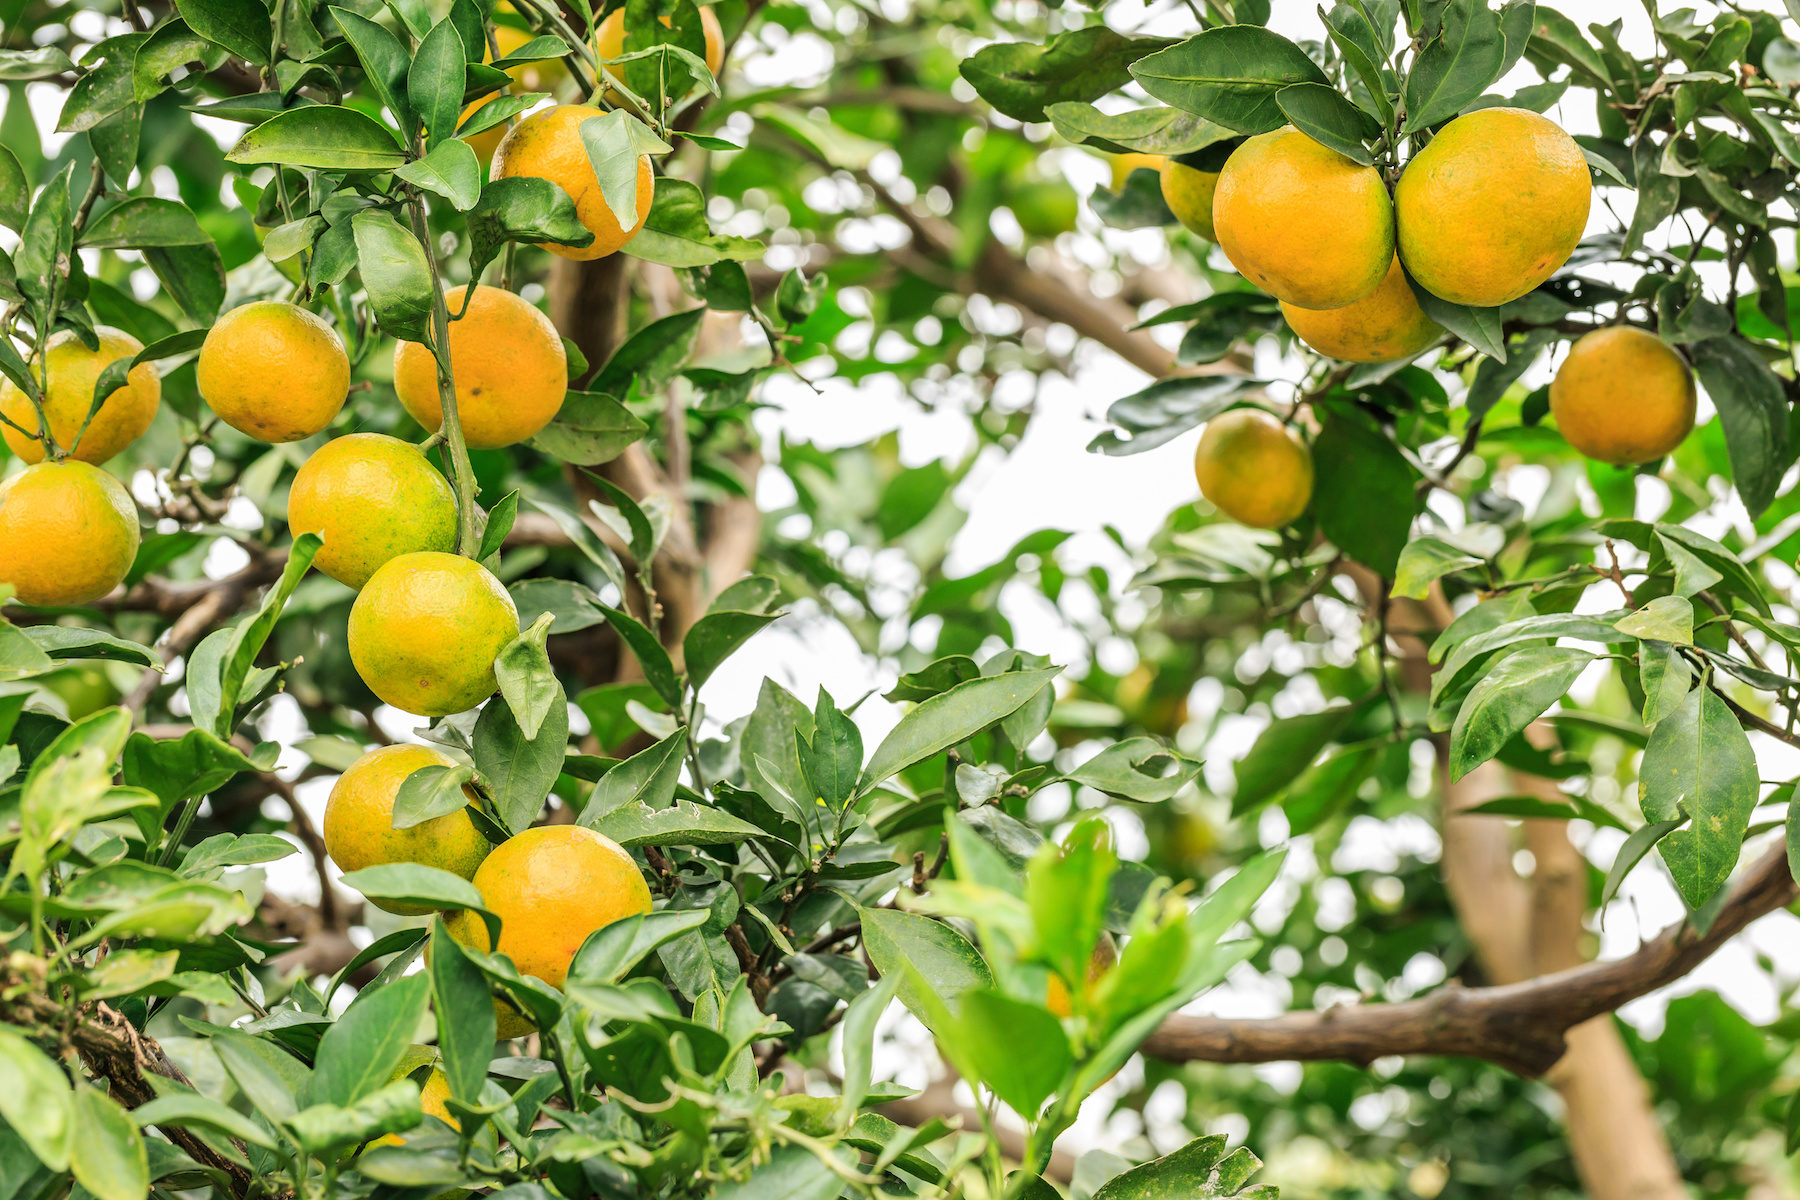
point(1492, 207)
point(74, 369)
point(1385, 326)
point(68, 532)
point(609, 38)
point(551, 886)
point(511, 371)
point(274, 371)
point(1302, 222)
point(1189, 194)
point(1057, 999)
point(548, 145)
point(359, 822)
point(1623, 396)
point(1252, 469)
point(432, 1094)
point(425, 629)
point(1124, 164)
point(372, 498)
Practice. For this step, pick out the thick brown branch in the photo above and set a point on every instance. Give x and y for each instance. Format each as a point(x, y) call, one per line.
point(1520, 1026)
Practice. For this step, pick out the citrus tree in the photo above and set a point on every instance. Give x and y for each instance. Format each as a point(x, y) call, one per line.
point(295, 437)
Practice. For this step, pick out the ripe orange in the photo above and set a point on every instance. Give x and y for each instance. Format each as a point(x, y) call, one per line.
point(548, 145)
point(74, 369)
point(372, 498)
point(68, 532)
point(425, 629)
point(1386, 326)
point(1189, 194)
point(1623, 396)
point(274, 371)
point(359, 830)
point(511, 371)
point(551, 886)
point(609, 38)
point(1124, 164)
point(1252, 469)
point(1302, 222)
point(1492, 207)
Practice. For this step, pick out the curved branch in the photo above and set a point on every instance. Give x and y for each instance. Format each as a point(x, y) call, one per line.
point(1520, 1026)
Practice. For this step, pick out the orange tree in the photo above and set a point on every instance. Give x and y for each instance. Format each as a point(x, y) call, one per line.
point(620, 946)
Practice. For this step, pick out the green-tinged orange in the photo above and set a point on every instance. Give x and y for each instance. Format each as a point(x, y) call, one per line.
point(425, 629)
point(1302, 222)
point(1623, 396)
point(74, 369)
point(510, 367)
point(1253, 469)
point(548, 145)
point(1492, 206)
point(359, 821)
point(1385, 326)
point(372, 498)
point(1188, 192)
point(68, 532)
point(551, 886)
point(274, 371)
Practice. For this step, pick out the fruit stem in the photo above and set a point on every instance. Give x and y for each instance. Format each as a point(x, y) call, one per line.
point(462, 474)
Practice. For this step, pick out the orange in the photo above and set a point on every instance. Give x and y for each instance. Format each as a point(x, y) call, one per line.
point(510, 368)
point(1124, 164)
point(425, 629)
point(274, 371)
point(359, 830)
point(551, 886)
point(1492, 207)
point(609, 38)
point(1623, 396)
point(548, 145)
point(1386, 326)
point(74, 369)
point(372, 498)
point(68, 533)
point(1189, 194)
point(1253, 469)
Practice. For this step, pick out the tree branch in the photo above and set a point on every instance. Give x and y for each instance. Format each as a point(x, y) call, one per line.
point(1520, 1026)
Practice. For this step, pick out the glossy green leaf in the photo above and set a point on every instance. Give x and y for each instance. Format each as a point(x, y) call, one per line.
point(248, 638)
point(450, 169)
point(434, 84)
point(1229, 75)
point(1322, 113)
point(519, 771)
point(1753, 413)
point(1699, 764)
point(320, 137)
point(396, 274)
point(359, 1052)
point(944, 958)
point(616, 142)
point(112, 1164)
point(430, 792)
point(1021, 78)
point(527, 680)
point(1425, 559)
point(465, 1014)
point(715, 637)
point(240, 26)
point(682, 823)
point(1454, 66)
point(1508, 698)
point(950, 717)
point(591, 428)
point(1362, 493)
point(1282, 751)
point(36, 1100)
point(1664, 619)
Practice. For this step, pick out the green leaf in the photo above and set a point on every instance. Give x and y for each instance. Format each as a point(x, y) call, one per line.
point(1229, 75)
point(1547, 626)
point(1020, 1049)
point(1362, 493)
point(1137, 769)
point(1349, 29)
point(190, 1110)
point(1323, 114)
point(35, 1099)
point(1664, 619)
point(465, 1014)
point(46, 240)
point(1480, 327)
point(430, 792)
point(571, 605)
point(527, 681)
point(859, 1044)
point(591, 427)
point(450, 169)
point(683, 823)
point(1665, 677)
point(499, 524)
point(240, 26)
point(951, 717)
point(1699, 763)
point(425, 887)
point(651, 656)
point(320, 137)
point(522, 209)
point(248, 637)
point(647, 778)
point(45, 62)
point(677, 233)
point(1021, 78)
point(113, 1164)
point(1282, 751)
point(234, 850)
point(1753, 413)
point(15, 191)
point(1153, 130)
point(396, 274)
point(1508, 698)
point(652, 355)
point(358, 1054)
point(715, 637)
point(384, 60)
point(612, 950)
point(1455, 65)
point(1425, 559)
point(615, 143)
point(519, 770)
point(833, 757)
point(389, 1109)
point(938, 677)
point(1200, 1170)
point(145, 221)
point(192, 276)
point(792, 1173)
point(943, 958)
point(434, 84)
point(66, 642)
point(1632, 852)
